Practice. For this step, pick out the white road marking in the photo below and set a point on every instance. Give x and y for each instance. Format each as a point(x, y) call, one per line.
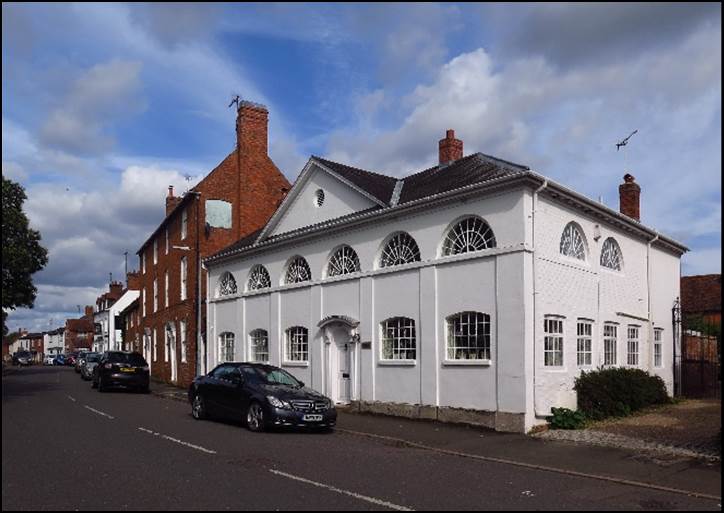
point(176, 440)
point(72, 398)
point(97, 411)
point(361, 497)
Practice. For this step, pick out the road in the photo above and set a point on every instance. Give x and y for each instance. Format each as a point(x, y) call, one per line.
point(66, 446)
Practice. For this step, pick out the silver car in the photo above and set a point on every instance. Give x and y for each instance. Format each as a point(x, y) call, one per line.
point(89, 362)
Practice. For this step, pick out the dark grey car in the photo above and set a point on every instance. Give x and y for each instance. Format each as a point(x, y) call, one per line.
point(90, 360)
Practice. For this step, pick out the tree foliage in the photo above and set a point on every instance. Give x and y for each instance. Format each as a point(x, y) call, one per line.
point(22, 253)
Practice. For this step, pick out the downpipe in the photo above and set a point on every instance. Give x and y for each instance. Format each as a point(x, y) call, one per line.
point(535, 297)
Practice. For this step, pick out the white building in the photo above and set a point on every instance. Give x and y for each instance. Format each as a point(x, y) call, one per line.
point(109, 327)
point(474, 291)
point(54, 342)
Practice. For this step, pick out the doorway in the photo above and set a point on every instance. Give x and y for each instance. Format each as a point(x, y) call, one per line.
point(339, 363)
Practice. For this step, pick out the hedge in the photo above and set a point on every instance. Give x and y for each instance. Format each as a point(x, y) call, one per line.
point(618, 391)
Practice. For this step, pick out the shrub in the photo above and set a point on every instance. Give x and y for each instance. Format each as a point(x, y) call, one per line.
point(563, 418)
point(617, 392)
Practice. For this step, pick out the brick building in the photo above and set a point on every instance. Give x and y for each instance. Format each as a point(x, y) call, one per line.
point(79, 332)
point(233, 200)
point(701, 298)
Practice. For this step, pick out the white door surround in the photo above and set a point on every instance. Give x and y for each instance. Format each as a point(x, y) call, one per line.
point(340, 337)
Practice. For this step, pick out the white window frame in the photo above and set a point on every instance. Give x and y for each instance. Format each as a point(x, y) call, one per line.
point(227, 341)
point(568, 250)
point(468, 234)
point(584, 343)
point(182, 339)
point(155, 295)
point(184, 224)
point(470, 337)
point(296, 345)
point(633, 345)
point(155, 251)
point(610, 341)
point(398, 340)
point(168, 341)
point(553, 341)
point(255, 336)
point(143, 261)
point(143, 301)
point(155, 345)
point(184, 277)
point(165, 288)
point(658, 348)
point(166, 249)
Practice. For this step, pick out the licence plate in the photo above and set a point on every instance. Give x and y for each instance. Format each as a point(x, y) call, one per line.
point(312, 418)
point(127, 369)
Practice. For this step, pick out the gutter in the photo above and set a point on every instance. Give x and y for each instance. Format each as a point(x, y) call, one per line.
point(535, 295)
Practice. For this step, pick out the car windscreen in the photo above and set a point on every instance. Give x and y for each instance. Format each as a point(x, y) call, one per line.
point(272, 376)
point(134, 359)
point(23, 354)
point(92, 357)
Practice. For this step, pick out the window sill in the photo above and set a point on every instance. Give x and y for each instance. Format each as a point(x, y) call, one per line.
point(467, 363)
point(397, 363)
point(295, 364)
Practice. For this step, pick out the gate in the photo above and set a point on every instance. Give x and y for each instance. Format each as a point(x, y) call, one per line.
point(701, 357)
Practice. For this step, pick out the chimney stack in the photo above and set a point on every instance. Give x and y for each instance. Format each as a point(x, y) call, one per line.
point(171, 200)
point(133, 280)
point(629, 195)
point(89, 311)
point(116, 288)
point(451, 149)
point(252, 120)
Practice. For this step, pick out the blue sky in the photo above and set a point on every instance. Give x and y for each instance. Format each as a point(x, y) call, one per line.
point(106, 105)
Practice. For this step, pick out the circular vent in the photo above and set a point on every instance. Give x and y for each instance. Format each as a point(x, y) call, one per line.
point(319, 197)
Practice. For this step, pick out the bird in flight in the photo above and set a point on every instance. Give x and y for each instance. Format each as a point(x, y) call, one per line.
point(625, 141)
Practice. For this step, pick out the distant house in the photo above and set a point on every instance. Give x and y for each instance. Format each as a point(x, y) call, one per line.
point(79, 332)
point(109, 329)
point(701, 299)
point(54, 342)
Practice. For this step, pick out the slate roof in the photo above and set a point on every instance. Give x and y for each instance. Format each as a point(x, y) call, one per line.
point(378, 185)
point(701, 294)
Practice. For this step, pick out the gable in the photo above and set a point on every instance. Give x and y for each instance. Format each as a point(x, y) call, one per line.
point(339, 199)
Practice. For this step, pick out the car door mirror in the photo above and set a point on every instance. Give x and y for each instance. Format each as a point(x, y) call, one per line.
point(301, 384)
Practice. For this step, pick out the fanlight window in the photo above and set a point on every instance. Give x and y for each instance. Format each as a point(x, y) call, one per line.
point(297, 271)
point(400, 249)
point(470, 234)
point(344, 261)
point(611, 254)
point(259, 278)
point(572, 244)
point(227, 285)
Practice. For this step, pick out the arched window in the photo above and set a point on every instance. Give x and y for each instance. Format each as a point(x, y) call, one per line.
point(297, 271)
point(572, 242)
point(469, 234)
point(611, 254)
point(226, 347)
point(344, 261)
point(398, 339)
point(400, 249)
point(259, 346)
point(297, 344)
point(258, 278)
point(227, 285)
point(468, 336)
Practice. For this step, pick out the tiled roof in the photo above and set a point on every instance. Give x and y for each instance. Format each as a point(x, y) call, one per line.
point(378, 185)
point(80, 325)
point(701, 294)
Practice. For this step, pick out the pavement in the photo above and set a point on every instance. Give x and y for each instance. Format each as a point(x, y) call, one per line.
point(66, 446)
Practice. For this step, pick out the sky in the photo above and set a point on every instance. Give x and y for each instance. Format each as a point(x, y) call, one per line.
point(106, 105)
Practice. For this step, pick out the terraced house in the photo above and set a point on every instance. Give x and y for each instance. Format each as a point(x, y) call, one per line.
point(475, 290)
point(234, 199)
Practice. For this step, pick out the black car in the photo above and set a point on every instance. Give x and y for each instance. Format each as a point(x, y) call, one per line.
point(23, 358)
point(261, 395)
point(120, 369)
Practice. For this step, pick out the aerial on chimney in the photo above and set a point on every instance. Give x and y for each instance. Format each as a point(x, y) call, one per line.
point(629, 195)
point(450, 149)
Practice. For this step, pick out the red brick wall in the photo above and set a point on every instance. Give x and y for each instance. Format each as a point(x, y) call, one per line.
point(450, 149)
point(249, 180)
point(629, 194)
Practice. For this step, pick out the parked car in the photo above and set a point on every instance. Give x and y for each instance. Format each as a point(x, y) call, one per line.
point(122, 370)
point(48, 360)
point(262, 396)
point(59, 360)
point(89, 363)
point(79, 360)
point(23, 358)
point(70, 358)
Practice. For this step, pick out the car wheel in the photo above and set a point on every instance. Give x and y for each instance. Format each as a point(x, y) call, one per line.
point(255, 417)
point(198, 408)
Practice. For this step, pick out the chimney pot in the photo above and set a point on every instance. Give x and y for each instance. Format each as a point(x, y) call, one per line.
point(629, 197)
point(170, 191)
point(450, 149)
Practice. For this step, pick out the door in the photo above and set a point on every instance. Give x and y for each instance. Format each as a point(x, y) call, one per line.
point(343, 372)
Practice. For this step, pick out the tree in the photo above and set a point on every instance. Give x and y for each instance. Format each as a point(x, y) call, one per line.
point(22, 253)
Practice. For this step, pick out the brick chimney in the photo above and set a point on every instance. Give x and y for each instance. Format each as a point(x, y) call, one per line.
point(171, 200)
point(252, 120)
point(451, 149)
point(133, 280)
point(116, 288)
point(89, 311)
point(629, 194)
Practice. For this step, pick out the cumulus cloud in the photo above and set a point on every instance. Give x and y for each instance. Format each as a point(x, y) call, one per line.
point(81, 120)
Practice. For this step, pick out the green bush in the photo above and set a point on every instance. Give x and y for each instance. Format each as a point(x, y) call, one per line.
point(618, 392)
point(563, 418)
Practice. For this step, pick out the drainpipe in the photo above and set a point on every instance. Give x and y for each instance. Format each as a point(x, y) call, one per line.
point(535, 292)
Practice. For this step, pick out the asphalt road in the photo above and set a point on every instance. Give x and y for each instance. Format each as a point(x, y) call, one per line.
point(66, 446)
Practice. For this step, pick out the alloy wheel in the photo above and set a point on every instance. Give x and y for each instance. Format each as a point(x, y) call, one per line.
point(255, 417)
point(197, 408)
